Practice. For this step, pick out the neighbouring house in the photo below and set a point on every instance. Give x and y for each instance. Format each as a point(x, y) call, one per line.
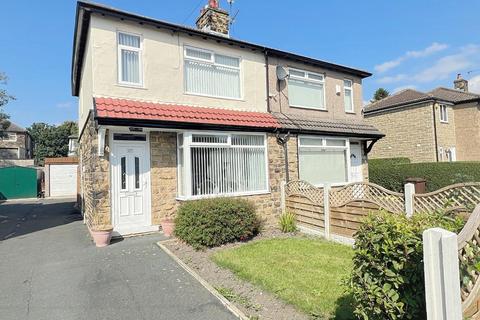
point(169, 113)
point(15, 143)
point(440, 125)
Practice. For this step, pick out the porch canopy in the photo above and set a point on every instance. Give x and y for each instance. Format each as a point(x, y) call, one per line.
point(134, 113)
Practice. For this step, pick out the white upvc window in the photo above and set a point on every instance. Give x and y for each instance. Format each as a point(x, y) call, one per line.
point(211, 74)
point(130, 67)
point(221, 164)
point(441, 153)
point(306, 89)
point(9, 136)
point(324, 160)
point(451, 154)
point(348, 95)
point(443, 113)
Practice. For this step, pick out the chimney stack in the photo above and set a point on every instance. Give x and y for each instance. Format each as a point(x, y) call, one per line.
point(460, 83)
point(214, 19)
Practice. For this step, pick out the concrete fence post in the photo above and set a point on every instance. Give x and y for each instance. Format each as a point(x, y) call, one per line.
point(442, 275)
point(409, 205)
point(326, 209)
point(283, 196)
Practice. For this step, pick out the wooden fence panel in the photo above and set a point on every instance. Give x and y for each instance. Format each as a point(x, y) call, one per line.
point(345, 220)
point(309, 214)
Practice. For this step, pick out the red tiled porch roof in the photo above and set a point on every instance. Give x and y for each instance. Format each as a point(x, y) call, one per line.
point(138, 110)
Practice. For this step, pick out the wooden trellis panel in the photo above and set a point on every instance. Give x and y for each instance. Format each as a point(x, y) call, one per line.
point(469, 255)
point(306, 201)
point(462, 197)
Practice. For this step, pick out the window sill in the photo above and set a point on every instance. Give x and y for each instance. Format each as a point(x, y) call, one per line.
point(309, 108)
point(445, 122)
point(131, 86)
point(213, 97)
point(228, 195)
point(350, 112)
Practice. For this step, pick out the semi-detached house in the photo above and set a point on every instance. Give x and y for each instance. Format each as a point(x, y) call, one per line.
point(169, 113)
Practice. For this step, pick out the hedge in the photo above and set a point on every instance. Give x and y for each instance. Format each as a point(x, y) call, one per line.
point(387, 279)
point(391, 173)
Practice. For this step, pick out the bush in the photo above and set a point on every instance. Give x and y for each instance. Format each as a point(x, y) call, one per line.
point(288, 222)
point(213, 222)
point(387, 280)
point(391, 173)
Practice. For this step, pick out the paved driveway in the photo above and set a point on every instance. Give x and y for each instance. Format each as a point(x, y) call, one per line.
point(49, 269)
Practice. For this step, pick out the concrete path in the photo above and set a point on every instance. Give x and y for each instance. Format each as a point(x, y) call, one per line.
point(50, 269)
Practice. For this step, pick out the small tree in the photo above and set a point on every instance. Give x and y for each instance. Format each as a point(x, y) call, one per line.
point(380, 94)
point(4, 99)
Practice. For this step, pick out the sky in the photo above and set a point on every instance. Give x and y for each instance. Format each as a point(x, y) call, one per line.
point(417, 44)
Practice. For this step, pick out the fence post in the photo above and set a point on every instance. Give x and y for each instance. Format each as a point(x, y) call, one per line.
point(326, 209)
point(283, 196)
point(442, 275)
point(409, 205)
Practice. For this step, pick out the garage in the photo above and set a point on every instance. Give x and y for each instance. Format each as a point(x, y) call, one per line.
point(61, 177)
point(18, 183)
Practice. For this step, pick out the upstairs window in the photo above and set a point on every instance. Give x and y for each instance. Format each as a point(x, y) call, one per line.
point(129, 59)
point(348, 95)
point(9, 136)
point(221, 164)
point(443, 113)
point(212, 74)
point(306, 89)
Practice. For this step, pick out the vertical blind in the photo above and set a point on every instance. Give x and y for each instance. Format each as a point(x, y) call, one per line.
point(129, 46)
point(212, 74)
point(225, 164)
point(306, 89)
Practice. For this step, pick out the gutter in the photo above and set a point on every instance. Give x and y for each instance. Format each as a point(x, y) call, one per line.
point(267, 71)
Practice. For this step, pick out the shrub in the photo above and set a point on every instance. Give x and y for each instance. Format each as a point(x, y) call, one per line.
point(391, 173)
point(288, 222)
point(387, 280)
point(213, 222)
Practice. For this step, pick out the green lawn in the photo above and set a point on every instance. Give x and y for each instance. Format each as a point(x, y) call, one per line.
point(307, 273)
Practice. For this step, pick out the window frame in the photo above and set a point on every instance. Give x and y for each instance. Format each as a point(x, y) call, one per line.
point(140, 60)
point(187, 166)
point(212, 62)
point(324, 146)
point(307, 79)
point(351, 95)
point(8, 137)
point(443, 119)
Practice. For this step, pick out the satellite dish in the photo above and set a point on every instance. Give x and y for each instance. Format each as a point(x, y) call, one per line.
point(282, 73)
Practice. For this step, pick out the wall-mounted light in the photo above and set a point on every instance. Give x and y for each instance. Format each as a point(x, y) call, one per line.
point(338, 89)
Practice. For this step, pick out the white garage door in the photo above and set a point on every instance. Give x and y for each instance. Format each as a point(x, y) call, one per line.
point(63, 180)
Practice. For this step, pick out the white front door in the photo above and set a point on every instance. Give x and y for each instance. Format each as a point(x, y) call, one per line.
point(356, 174)
point(130, 186)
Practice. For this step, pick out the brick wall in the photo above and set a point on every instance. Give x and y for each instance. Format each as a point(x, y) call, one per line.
point(95, 177)
point(445, 130)
point(467, 128)
point(409, 133)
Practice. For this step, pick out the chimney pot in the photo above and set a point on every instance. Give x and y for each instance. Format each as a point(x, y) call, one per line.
point(460, 83)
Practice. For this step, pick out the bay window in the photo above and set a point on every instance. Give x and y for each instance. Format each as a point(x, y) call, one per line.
point(129, 59)
point(221, 164)
point(323, 160)
point(212, 74)
point(306, 89)
point(348, 95)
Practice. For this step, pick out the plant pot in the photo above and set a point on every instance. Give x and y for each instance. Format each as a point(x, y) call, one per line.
point(101, 237)
point(168, 225)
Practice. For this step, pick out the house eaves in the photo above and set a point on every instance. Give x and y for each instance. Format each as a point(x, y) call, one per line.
point(82, 21)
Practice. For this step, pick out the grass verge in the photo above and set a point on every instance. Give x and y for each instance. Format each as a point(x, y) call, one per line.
point(307, 273)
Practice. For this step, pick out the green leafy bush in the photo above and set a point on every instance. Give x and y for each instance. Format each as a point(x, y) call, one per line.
point(387, 280)
point(213, 222)
point(288, 222)
point(391, 173)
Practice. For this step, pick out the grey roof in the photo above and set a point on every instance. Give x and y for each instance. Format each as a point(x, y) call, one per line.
point(314, 125)
point(404, 97)
point(410, 96)
point(15, 128)
point(453, 96)
point(82, 20)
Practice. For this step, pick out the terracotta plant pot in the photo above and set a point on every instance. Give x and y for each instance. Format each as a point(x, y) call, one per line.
point(168, 225)
point(101, 237)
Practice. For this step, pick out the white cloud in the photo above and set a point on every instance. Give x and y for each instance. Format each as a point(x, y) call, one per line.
point(398, 89)
point(433, 48)
point(474, 84)
point(444, 67)
point(64, 105)
point(392, 79)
